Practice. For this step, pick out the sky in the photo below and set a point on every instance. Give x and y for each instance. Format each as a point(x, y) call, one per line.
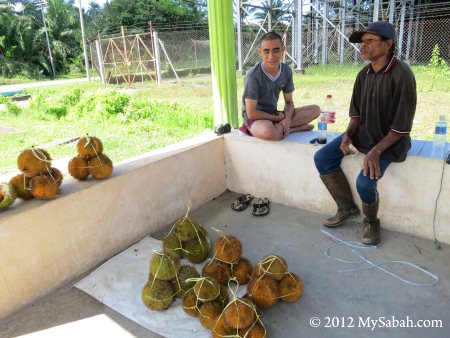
point(85, 3)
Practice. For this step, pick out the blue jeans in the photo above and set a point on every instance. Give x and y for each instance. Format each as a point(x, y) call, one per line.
point(328, 160)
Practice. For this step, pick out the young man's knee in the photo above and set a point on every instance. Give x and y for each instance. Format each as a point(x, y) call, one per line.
point(269, 134)
point(316, 111)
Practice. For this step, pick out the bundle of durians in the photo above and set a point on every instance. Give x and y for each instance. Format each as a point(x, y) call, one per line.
point(90, 160)
point(168, 278)
point(271, 281)
point(38, 178)
point(7, 195)
point(188, 239)
point(228, 263)
point(239, 319)
point(205, 300)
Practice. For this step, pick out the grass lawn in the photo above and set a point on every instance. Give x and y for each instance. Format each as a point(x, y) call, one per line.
point(145, 117)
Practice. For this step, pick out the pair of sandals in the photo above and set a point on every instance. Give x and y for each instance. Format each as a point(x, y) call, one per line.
point(260, 205)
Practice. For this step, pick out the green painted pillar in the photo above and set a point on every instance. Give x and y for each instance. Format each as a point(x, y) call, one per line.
point(223, 61)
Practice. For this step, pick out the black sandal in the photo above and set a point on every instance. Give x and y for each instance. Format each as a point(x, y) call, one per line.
point(242, 202)
point(261, 207)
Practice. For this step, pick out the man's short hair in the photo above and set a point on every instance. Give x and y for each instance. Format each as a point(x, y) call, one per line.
point(272, 35)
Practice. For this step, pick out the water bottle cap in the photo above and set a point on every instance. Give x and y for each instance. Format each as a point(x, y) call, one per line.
point(441, 117)
point(329, 96)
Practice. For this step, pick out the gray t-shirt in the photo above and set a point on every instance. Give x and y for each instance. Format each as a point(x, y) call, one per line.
point(264, 88)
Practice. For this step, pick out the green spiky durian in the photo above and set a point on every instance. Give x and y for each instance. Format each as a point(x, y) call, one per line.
point(197, 249)
point(157, 294)
point(181, 286)
point(187, 229)
point(164, 266)
point(172, 245)
point(7, 195)
point(207, 289)
point(274, 266)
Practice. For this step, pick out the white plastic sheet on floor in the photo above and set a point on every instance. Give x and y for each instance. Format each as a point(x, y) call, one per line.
point(118, 284)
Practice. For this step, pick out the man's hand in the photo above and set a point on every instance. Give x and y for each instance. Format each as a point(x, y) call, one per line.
point(372, 165)
point(286, 123)
point(345, 144)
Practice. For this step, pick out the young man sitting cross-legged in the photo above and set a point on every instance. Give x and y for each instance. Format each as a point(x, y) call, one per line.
point(263, 85)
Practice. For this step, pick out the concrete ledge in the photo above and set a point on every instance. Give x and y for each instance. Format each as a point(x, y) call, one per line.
point(285, 172)
point(45, 244)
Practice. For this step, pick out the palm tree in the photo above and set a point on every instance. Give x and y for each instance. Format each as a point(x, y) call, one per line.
point(275, 10)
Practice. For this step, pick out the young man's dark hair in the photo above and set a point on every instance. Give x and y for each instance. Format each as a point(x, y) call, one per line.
point(271, 36)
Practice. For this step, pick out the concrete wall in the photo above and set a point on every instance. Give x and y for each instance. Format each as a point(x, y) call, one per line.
point(46, 243)
point(285, 173)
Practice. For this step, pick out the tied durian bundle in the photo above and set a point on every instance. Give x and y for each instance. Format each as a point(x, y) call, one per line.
point(188, 239)
point(38, 178)
point(239, 319)
point(271, 281)
point(90, 160)
point(205, 300)
point(228, 262)
point(7, 195)
point(159, 291)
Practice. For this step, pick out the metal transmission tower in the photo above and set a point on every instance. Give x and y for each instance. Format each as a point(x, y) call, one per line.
point(41, 4)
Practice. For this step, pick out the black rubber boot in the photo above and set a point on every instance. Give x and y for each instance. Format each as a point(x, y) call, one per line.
point(339, 189)
point(372, 231)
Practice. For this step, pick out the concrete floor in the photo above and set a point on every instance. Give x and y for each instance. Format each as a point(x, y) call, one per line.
point(344, 302)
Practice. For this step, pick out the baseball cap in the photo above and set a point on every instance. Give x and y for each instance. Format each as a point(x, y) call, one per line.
point(382, 28)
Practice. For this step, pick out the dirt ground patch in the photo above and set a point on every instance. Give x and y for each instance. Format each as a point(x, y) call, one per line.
point(7, 129)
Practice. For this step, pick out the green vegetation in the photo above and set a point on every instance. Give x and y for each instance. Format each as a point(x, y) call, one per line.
point(23, 44)
point(133, 121)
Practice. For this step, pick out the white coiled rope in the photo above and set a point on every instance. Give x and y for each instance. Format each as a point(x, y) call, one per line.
point(352, 246)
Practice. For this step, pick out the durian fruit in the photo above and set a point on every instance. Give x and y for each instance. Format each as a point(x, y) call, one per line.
point(7, 195)
point(239, 314)
point(164, 267)
point(208, 314)
point(187, 229)
point(56, 175)
point(100, 167)
point(157, 294)
point(89, 146)
point(228, 249)
point(257, 330)
point(197, 249)
point(21, 184)
point(274, 266)
point(291, 287)
point(181, 285)
point(263, 291)
point(43, 187)
point(191, 304)
point(218, 270)
point(242, 271)
point(220, 328)
point(172, 245)
point(207, 289)
point(34, 160)
point(78, 168)
point(223, 298)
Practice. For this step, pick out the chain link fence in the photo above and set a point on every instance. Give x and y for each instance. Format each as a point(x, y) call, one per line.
point(185, 46)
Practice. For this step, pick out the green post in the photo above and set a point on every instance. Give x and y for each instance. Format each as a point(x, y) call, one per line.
point(223, 61)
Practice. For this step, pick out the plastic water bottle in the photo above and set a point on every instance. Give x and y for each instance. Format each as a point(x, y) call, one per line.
point(328, 115)
point(440, 133)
